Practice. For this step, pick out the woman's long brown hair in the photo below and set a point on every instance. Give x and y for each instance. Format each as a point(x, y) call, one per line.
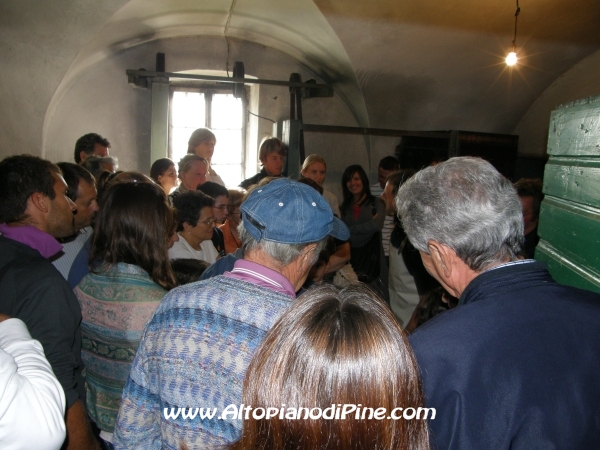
point(133, 226)
point(334, 347)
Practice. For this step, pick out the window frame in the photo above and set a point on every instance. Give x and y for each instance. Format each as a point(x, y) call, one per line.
point(209, 89)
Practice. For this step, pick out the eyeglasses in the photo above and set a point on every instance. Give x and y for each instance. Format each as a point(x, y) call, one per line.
point(221, 207)
point(210, 221)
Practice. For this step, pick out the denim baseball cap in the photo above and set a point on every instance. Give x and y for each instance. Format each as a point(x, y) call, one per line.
point(289, 212)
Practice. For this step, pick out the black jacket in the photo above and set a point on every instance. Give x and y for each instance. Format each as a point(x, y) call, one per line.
point(254, 179)
point(31, 289)
point(515, 365)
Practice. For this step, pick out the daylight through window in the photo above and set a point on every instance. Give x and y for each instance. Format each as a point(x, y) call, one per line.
point(220, 112)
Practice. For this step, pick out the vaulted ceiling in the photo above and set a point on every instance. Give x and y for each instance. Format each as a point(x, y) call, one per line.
point(413, 65)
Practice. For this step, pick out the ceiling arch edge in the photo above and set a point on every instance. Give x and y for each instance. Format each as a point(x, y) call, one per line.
point(296, 28)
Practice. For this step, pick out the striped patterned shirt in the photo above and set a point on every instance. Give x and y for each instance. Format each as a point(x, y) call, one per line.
point(115, 305)
point(194, 354)
point(388, 224)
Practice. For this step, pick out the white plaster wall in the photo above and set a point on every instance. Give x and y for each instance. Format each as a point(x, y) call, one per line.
point(38, 42)
point(100, 100)
point(581, 81)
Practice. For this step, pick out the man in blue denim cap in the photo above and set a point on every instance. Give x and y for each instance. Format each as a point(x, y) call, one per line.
point(197, 346)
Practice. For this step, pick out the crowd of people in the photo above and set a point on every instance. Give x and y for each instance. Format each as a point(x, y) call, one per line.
point(413, 312)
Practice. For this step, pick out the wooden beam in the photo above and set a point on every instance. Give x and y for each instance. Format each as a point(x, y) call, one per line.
point(372, 131)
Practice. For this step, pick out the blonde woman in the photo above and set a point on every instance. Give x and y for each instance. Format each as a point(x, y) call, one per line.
point(314, 167)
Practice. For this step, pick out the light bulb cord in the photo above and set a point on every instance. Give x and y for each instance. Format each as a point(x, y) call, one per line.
point(514, 41)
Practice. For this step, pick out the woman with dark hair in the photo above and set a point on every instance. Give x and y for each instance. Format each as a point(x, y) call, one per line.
point(129, 275)
point(364, 215)
point(164, 174)
point(102, 179)
point(220, 195)
point(195, 227)
point(339, 348)
point(202, 143)
point(80, 268)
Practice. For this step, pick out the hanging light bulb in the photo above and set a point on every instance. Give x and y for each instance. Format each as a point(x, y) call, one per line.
point(511, 59)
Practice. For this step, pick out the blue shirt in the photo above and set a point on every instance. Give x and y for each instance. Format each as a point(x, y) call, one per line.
point(194, 354)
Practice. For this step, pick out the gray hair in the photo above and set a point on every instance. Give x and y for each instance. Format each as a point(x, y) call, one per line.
point(94, 164)
point(283, 253)
point(465, 204)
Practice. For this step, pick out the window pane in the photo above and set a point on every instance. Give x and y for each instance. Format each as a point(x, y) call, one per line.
point(227, 119)
point(226, 112)
point(188, 109)
point(179, 142)
point(231, 174)
point(188, 113)
point(229, 147)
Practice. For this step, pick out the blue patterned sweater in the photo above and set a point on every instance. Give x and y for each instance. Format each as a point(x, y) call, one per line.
point(194, 354)
point(115, 305)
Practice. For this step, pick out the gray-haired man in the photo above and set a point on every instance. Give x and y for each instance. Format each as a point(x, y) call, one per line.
point(515, 365)
point(198, 344)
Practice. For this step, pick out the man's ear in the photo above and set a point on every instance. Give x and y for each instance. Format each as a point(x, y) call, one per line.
point(40, 202)
point(441, 258)
point(305, 256)
point(186, 226)
point(307, 251)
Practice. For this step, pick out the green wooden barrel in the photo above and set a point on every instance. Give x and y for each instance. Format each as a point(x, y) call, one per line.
point(569, 226)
